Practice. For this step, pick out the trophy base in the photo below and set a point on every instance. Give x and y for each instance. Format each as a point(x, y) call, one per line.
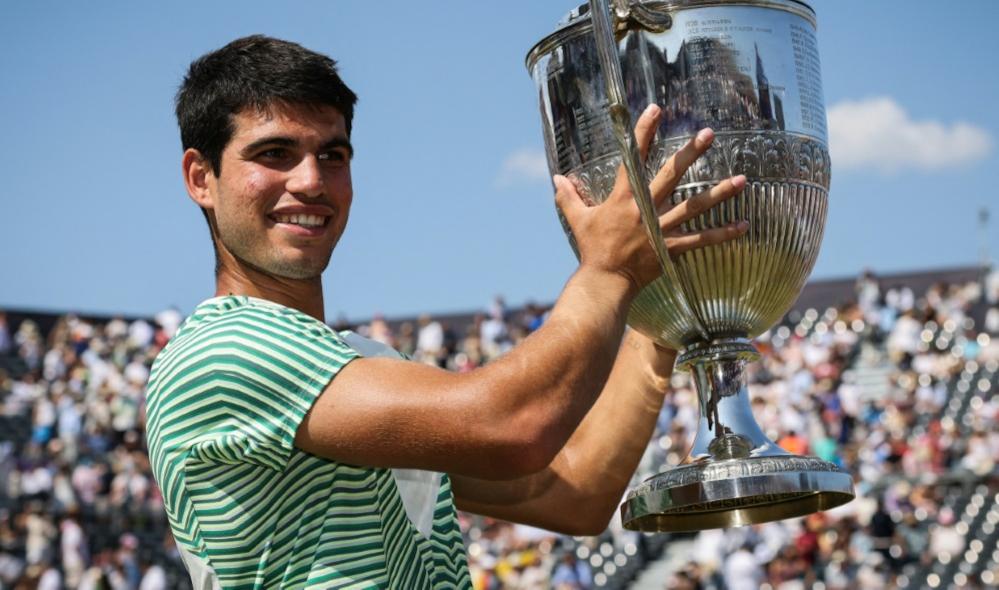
point(733, 493)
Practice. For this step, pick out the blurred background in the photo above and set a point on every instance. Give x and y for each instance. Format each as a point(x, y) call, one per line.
point(887, 364)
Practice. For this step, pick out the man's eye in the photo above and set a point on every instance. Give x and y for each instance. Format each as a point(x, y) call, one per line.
point(336, 156)
point(273, 154)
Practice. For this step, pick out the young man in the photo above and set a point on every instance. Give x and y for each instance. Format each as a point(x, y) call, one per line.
point(293, 456)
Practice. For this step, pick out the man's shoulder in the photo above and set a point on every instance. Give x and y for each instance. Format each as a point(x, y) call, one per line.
point(222, 319)
point(237, 361)
point(232, 308)
point(241, 334)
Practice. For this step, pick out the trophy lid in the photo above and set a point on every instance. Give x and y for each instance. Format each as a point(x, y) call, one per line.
point(577, 21)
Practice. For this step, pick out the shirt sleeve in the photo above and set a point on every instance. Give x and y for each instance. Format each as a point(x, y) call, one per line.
point(263, 370)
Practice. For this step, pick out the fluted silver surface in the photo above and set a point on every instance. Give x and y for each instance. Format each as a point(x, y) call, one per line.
point(755, 86)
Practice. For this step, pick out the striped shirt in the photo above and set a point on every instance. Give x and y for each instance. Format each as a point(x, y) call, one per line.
point(225, 398)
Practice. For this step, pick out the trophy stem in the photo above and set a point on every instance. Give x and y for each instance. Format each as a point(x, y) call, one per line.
point(726, 429)
point(734, 475)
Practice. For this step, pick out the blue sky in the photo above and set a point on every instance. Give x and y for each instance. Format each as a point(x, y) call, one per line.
point(452, 204)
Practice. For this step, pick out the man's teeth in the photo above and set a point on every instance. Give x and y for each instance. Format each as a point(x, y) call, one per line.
point(303, 220)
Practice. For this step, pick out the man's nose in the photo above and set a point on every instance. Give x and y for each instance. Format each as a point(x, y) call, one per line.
point(306, 178)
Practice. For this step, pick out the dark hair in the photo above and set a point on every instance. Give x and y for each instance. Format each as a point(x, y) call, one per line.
point(253, 72)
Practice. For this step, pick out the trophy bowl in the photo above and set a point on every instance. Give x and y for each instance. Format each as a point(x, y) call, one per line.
point(749, 69)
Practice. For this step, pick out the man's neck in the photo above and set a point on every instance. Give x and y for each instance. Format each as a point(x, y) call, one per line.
point(305, 295)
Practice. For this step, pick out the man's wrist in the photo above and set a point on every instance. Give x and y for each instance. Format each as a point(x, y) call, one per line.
point(657, 360)
point(617, 283)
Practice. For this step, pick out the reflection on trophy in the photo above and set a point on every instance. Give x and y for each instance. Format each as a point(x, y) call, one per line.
point(750, 71)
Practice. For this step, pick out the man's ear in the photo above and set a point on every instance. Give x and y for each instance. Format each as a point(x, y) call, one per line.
point(197, 174)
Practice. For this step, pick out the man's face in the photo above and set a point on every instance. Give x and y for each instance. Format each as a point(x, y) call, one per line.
point(283, 195)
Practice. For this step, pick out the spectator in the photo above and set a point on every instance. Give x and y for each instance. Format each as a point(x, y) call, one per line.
point(742, 570)
point(944, 537)
point(73, 549)
point(882, 531)
point(571, 574)
point(153, 578)
point(6, 343)
point(793, 443)
point(430, 338)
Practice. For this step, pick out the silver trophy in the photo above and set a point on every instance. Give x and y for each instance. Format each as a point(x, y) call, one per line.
point(749, 69)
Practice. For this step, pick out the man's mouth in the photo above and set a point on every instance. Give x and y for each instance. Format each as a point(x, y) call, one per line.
point(302, 220)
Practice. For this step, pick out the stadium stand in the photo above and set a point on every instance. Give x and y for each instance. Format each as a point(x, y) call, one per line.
point(896, 378)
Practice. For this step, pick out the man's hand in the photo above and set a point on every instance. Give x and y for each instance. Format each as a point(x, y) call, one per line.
point(611, 237)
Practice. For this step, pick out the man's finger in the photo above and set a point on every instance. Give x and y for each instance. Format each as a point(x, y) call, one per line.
point(674, 168)
point(702, 201)
point(645, 132)
point(645, 129)
point(678, 244)
point(567, 198)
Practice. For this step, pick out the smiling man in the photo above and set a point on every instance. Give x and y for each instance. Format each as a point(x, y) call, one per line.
point(292, 456)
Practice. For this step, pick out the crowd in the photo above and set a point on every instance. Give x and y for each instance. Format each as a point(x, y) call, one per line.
point(79, 507)
point(893, 432)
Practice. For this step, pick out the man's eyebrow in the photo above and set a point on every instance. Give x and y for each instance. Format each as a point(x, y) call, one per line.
point(268, 141)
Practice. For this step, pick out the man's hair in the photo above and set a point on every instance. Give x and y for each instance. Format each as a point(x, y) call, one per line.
point(253, 72)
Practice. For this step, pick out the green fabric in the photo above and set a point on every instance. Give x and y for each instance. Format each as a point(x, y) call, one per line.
point(225, 398)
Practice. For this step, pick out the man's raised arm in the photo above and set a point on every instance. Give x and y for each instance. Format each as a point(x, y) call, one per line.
point(579, 491)
point(513, 416)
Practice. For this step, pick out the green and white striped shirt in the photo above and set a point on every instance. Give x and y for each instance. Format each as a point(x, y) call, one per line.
point(225, 399)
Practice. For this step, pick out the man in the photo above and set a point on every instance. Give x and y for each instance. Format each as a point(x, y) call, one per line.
point(293, 456)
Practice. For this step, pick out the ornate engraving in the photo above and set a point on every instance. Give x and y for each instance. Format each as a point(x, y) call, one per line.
point(596, 181)
point(760, 155)
point(737, 349)
point(735, 503)
point(722, 470)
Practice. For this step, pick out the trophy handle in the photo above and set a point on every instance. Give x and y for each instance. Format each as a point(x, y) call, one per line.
point(625, 136)
point(626, 13)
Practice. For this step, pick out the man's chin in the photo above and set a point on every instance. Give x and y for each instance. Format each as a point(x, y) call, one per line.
point(297, 270)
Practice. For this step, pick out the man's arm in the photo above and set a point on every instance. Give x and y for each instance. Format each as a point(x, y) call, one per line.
point(504, 420)
point(510, 418)
point(580, 490)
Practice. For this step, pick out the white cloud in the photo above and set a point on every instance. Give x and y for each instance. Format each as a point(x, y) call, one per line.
point(878, 133)
point(523, 166)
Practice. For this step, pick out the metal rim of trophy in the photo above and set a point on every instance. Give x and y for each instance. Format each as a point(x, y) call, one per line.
point(583, 24)
point(735, 502)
